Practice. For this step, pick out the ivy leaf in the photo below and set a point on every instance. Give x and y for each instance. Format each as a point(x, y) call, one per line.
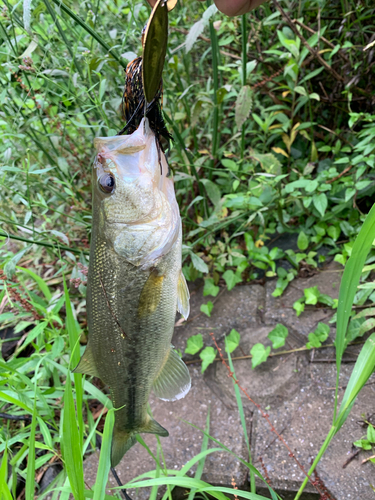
point(326, 299)
point(319, 335)
point(260, 354)
point(194, 344)
point(311, 295)
point(199, 263)
point(231, 279)
point(320, 201)
point(303, 241)
point(232, 340)
point(210, 288)
point(363, 443)
point(243, 105)
point(299, 306)
point(207, 308)
point(207, 356)
point(278, 335)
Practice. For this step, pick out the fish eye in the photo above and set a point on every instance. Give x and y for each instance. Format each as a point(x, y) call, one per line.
point(107, 183)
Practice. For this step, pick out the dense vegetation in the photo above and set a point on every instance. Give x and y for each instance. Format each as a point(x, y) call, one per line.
point(274, 133)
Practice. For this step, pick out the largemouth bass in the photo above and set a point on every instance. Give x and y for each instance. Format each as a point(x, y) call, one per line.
point(135, 283)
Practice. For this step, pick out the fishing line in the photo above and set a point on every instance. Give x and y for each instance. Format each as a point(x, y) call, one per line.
point(118, 481)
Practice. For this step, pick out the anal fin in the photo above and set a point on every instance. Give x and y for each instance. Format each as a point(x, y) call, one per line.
point(153, 427)
point(87, 364)
point(183, 296)
point(173, 381)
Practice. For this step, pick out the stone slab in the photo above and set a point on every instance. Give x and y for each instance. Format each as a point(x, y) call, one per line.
point(184, 441)
point(280, 309)
point(296, 390)
point(235, 309)
point(304, 422)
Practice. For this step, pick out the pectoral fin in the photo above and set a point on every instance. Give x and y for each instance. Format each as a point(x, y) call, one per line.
point(150, 295)
point(173, 382)
point(87, 363)
point(183, 296)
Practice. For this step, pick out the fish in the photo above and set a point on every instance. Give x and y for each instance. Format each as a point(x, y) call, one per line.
point(135, 283)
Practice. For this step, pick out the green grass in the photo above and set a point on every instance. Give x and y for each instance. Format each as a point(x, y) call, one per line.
point(294, 161)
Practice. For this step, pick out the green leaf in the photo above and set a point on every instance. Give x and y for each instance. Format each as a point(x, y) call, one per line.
point(363, 443)
point(30, 475)
point(71, 444)
point(371, 433)
point(198, 263)
point(303, 241)
point(244, 104)
point(213, 191)
point(210, 288)
point(194, 344)
point(40, 281)
point(207, 308)
point(259, 354)
point(350, 280)
point(319, 335)
point(102, 87)
point(363, 369)
point(299, 306)
point(232, 341)
point(311, 295)
point(207, 356)
point(4, 489)
point(320, 202)
point(368, 325)
point(104, 457)
point(278, 335)
point(231, 279)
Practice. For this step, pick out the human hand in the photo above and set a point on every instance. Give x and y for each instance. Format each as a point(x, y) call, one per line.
point(236, 7)
point(231, 7)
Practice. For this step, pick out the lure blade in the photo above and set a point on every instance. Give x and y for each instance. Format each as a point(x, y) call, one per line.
point(155, 48)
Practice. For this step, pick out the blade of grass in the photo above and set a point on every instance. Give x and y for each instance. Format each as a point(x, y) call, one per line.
point(40, 281)
point(198, 473)
point(362, 371)
point(30, 474)
point(104, 458)
point(4, 489)
point(243, 420)
point(71, 444)
point(348, 288)
point(73, 332)
point(189, 482)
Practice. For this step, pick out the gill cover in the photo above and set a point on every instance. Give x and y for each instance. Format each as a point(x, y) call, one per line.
point(140, 216)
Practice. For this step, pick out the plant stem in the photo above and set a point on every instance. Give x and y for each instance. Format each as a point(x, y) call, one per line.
point(215, 128)
point(322, 450)
point(244, 60)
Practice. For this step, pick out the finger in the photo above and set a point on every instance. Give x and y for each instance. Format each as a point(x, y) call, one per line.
point(237, 7)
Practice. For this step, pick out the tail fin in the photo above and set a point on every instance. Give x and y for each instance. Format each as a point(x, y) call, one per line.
point(122, 441)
